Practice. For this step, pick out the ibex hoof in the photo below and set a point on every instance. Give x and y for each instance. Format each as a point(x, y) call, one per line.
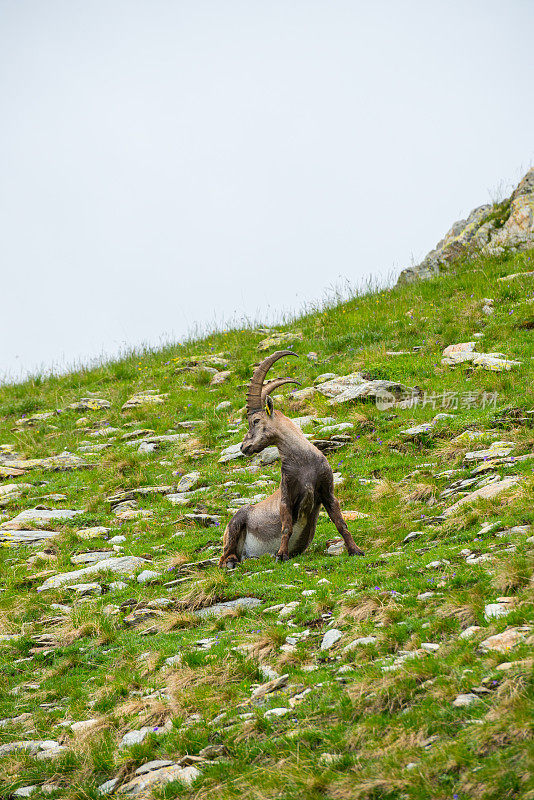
point(282, 557)
point(356, 552)
point(229, 563)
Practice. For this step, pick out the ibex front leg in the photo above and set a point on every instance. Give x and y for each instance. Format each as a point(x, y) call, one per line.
point(286, 519)
point(333, 509)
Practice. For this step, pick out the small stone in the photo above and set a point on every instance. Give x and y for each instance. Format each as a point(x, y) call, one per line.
point(362, 640)
point(465, 700)
point(150, 766)
point(85, 589)
point(188, 482)
point(277, 712)
point(93, 533)
point(84, 726)
point(173, 661)
point(231, 453)
point(496, 610)
point(411, 536)
point(108, 786)
point(134, 737)
point(118, 586)
point(469, 632)
point(25, 791)
point(289, 609)
point(330, 638)
point(224, 406)
point(148, 576)
point(220, 609)
point(502, 642)
point(506, 666)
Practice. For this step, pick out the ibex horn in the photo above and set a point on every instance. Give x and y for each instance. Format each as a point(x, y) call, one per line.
point(254, 394)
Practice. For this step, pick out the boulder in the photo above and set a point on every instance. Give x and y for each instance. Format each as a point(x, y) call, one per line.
point(507, 225)
point(125, 565)
point(485, 493)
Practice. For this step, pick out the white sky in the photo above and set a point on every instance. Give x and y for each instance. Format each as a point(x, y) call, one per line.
point(165, 164)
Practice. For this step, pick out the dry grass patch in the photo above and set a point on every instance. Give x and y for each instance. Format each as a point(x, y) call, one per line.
point(213, 588)
point(421, 493)
point(188, 686)
point(182, 619)
point(380, 608)
point(147, 711)
point(514, 573)
point(384, 489)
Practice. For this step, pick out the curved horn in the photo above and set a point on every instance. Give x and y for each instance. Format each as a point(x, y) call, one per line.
point(270, 386)
point(258, 376)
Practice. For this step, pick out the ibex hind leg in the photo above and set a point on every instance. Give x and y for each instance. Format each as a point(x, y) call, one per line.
point(234, 540)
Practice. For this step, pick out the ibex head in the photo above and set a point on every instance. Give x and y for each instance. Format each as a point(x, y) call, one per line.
point(262, 421)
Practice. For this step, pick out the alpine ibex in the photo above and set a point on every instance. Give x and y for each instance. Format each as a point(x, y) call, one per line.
point(284, 523)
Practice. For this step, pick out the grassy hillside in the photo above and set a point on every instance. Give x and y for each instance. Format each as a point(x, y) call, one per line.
point(380, 718)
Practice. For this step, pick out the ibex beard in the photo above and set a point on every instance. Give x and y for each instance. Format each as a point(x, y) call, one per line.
point(284, 523)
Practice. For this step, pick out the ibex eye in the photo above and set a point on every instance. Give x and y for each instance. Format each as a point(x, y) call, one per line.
point(256, 421)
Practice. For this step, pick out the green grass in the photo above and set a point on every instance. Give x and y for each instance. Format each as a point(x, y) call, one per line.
point(371, 722)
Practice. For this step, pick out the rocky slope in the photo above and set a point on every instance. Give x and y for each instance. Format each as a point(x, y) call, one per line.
point(131, 667)
point(488, 229)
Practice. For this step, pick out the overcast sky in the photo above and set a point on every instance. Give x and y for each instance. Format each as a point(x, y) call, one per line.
point(166, 164)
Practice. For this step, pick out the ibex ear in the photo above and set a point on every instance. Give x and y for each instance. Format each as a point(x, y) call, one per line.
point(269, 405)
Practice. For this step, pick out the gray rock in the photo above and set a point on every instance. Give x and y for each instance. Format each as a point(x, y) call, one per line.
point(147, 447)
point(27, 538)
point(277, 712)
point(85, 589)
point(173, 660)
point(108, 786)
point(144, 398)
point(220, 377)
point(330, 638)
point(231, 453)
point(89, 404)
point(267, 456)
point(31, 746)
point(411, 536)
point(142, 785)
point(496, 610)
point(38, 516)
point(63, 462)
point(118, 586)
point(26, 791)
point(384, 393)
point(465, 700)
point(188, 482)
point(504, 641)
point(469, 632)
point(485, 493)
point(341, 426)
point(124, 565)
point(92, 558)
point(224, 406)
point(150, 766)
point(148, 576)
point(362, 640)
point(220, 609)
point(134, 737)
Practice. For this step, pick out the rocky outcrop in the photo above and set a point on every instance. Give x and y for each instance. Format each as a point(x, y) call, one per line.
point(489, 228)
